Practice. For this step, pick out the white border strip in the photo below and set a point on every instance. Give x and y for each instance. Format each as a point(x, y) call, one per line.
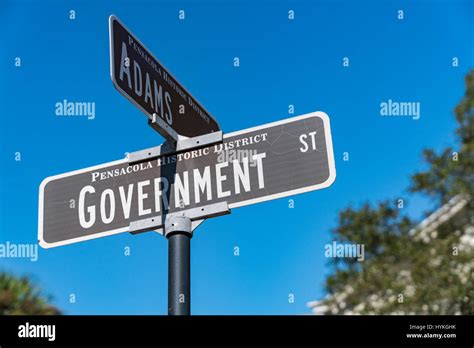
point(327, 183)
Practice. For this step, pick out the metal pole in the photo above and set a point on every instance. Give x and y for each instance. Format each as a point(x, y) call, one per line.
point(179, 234)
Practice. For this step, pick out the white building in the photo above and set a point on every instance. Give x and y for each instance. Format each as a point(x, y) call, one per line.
point(425, 231)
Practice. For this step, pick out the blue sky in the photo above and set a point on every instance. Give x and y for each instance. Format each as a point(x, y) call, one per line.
point(282, 62)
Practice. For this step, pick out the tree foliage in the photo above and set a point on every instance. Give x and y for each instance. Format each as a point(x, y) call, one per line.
point(19, 296)
point(408, 268)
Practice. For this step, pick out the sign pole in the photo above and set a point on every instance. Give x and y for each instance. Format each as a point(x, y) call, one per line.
point(178, 231)
point(278, 160)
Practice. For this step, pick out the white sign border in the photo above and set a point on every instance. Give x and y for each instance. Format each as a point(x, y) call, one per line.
point(325, 184)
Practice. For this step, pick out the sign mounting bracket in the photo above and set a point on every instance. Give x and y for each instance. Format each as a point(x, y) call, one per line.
point(159, 125)
point(193, 214)
point(170, 146)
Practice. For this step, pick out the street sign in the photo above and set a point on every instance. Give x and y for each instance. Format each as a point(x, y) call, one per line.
point(142, 79)
point(267, 162)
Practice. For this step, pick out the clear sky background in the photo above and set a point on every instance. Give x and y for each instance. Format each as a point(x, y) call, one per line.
point(282, 62)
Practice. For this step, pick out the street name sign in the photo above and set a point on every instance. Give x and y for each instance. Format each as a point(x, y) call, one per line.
point(254, 165)
point(143, 80)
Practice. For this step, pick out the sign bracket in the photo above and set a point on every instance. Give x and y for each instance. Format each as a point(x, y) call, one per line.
point(171, 147)
point(159, 125)
point(160, 221)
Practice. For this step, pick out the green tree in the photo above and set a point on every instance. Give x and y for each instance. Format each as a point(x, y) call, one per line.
point(411, 268)
point(19, 296)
